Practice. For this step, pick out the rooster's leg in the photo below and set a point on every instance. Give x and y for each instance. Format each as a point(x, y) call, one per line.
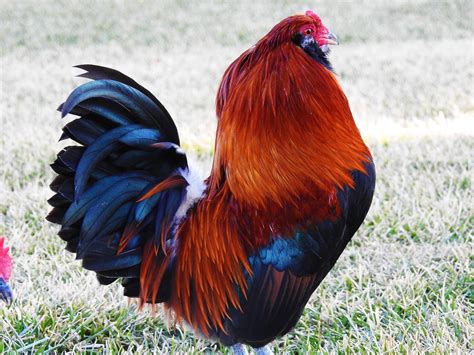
point(239, 349)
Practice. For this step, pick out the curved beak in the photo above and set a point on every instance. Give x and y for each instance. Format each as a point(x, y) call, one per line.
point(332, 39)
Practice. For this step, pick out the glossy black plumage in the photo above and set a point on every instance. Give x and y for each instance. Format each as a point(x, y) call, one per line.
point(118, 160)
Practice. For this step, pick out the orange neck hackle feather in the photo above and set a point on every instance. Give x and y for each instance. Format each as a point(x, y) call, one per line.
point(285, 127)
point(286, 141)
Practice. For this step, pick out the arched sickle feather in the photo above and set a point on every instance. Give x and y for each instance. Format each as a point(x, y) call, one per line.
point(140, 105)
point(143, 137)
point(105, 206)
point(76, 111)
point(127, 96)
point(109, 109)
point(97, 72)
point(78, 208)
point(83, 130)
point(97, 151)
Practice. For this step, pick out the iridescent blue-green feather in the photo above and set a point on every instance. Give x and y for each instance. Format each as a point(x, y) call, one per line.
point(128, 143)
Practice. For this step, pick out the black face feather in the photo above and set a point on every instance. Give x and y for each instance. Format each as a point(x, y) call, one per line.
point(309, 45)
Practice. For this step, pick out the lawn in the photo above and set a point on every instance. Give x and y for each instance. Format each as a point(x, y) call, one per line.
point(406, 281)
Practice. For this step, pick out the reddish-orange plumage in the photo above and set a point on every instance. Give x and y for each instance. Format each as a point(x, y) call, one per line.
point(268, 175)
point(211, 260)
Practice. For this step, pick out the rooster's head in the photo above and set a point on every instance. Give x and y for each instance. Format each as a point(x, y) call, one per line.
point(314, 38)
point(314, 35)
point(305, 31)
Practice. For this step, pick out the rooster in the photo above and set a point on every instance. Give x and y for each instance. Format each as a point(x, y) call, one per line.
point(236, 256)
point(5, 272)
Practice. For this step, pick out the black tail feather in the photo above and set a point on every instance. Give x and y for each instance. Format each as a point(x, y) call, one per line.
point(99, 184)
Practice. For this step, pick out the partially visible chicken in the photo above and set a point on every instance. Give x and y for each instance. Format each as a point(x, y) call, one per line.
point(5, 272)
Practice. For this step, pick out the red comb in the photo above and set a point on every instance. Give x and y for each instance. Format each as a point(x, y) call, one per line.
point(313, 15)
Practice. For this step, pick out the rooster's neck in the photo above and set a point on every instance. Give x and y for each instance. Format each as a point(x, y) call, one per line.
point(285, 130)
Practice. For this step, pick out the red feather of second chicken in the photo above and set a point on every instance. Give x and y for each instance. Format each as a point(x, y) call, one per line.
point(236, 256)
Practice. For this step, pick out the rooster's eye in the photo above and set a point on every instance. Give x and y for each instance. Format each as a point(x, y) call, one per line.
point(308, 31)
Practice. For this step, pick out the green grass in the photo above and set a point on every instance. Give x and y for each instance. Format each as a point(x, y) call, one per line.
point(406, 281)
